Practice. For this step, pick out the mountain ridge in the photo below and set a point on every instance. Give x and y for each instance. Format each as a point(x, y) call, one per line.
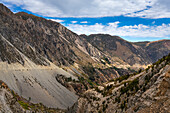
point(138, 53)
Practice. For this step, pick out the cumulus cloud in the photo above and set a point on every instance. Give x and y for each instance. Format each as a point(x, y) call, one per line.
point(95, 8)
point(73, 22)
point(84, 22)
point(162, 31)
point(114, 24)
point(57, 20)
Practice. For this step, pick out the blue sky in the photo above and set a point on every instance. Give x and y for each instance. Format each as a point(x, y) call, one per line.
point(139, 20)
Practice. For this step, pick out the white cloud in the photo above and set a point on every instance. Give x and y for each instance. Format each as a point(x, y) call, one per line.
point(73, 22)
point(84, 22)
point(95, 8)
point(114, 24)
point(57, 20)
point(132, 31)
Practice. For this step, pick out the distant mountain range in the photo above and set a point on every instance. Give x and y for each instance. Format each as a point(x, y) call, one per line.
point(34, 51)
point(142, 53)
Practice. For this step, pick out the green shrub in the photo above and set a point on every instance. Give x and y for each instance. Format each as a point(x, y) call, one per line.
point(98, 90)
point(24, 105)
point(107, 60)
point(117, 99)
point(103, 62)
point(69, 79)
point(124, 77)
point(133, 84)
point(89, 69)
point(104, 107)
point(109, 86)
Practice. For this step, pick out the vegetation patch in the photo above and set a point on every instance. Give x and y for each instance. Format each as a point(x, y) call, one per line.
point(131, 86)
point(24, 105)
point(107, 60)
point(125, 77)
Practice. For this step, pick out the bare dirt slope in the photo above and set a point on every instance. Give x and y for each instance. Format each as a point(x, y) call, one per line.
point(37, 82)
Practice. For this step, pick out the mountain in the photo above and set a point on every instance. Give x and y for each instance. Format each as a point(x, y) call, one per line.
point(40, 39)
point(139, 53)
point(31, 50)
point(144, 92)
point(155, 49)
point(44, 62)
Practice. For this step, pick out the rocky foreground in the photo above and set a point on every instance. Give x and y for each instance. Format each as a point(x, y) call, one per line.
point(147, 91)
point(10, 102)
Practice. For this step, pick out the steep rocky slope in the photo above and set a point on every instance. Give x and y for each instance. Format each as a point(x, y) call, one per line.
point(50, 39)
point(145, 92)
point(30, 80)
point(142, 53)
point(40, 39)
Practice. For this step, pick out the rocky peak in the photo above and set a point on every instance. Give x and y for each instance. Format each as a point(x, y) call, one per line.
point(4, 9)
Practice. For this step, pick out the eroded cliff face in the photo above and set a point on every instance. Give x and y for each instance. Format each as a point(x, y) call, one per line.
point(147, 91)
point(48, 38)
